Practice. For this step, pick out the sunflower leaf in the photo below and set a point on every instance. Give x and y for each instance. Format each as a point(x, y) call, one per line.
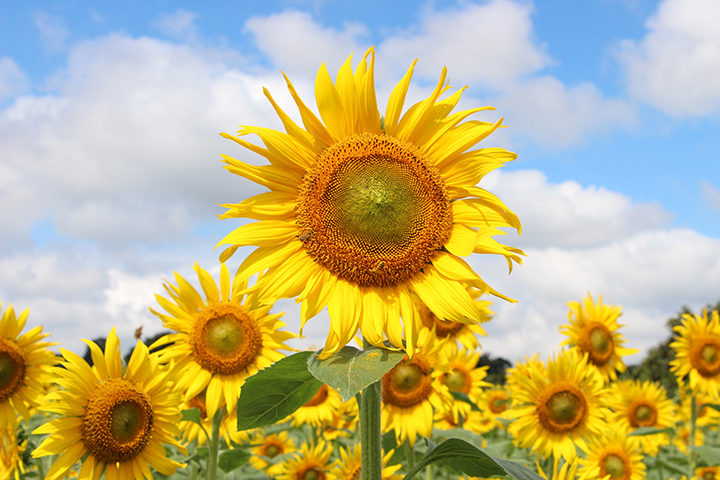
point(462, 457)
point(275, 392)
point(711, 455)
point(641, 431)
point(191, 415)
point(351, 370)
point(463, 397)
point(233, 459)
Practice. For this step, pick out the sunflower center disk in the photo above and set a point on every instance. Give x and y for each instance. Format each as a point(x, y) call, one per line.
point(272, 451)
point(600, 343)
point(456, 381)
point(319, 397)
point(643, 416)
point(12, 368)
point(563, 410)
point(373, 211)
point(443, 328)
point(313, 474)
point(614, 466)
point(498, 405)
point(226, 339)
point(708, 476)
point(118, 421)
point(707, 358)
point(407, 384)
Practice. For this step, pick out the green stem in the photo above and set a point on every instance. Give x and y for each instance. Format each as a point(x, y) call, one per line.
point(41, 468)
point(214, 444)
point(371, 429)
point(409, 455)
point(691, 437)
point(429, 472)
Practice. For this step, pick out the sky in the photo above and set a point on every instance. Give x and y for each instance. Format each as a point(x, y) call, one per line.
point(111, 179)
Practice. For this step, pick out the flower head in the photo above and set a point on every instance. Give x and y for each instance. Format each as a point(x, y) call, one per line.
point(697, 352)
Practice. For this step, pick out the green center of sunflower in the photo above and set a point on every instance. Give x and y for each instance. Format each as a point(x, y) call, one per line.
point(600, 341)
point(12, 368)
point(373, 210)
point(709, 353)
point(406, 378)
point(598, 344)
point(456, 380)
point(408, 383)
point(272, 451)
point(313, 474)
point(614, 466)
point(225, 339)
point(498, 404)
point(709, 475)
point(126, 420)
point(643, 413)
point(563, 407)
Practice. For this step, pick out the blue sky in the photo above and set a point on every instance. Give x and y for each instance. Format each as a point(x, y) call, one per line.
point(109, 117)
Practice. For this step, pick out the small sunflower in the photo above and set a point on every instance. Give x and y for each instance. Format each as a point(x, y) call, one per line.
point(117, 421)
point(681, 439)
point(593, 330)
point(270, 446)
point(708, 473)
point(344, 423)
point(363, 210)
point(462, 375)
point(568, 470)
point(25, 364)
point(311, 463)
point(614, 454)
point(642, 404)
point(475, 422)
point(11, 464)
point(319, 410)
point(220, 340)
point(494, 401)
point(412, 388)
point(706, 416)
point(558, 407)
point(697, 352)
point(349, 465)
point(465, 334)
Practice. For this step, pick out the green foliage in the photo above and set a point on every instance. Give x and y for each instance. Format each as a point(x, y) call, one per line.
point(233, 459)
point(497, 368)
point(275, 392)
point(351, 370)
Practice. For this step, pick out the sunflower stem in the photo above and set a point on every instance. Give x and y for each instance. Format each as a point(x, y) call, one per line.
point(214, 444)
point(691, 437)
point(41, 467)
point(409, 454)
point(371, 429)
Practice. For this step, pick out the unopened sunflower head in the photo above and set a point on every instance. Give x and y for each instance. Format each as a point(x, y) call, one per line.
point(363, 210)
point(221, 340)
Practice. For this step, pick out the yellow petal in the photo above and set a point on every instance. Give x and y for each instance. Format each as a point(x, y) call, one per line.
point(396, 102)
point(268, 233)
point(329, 104)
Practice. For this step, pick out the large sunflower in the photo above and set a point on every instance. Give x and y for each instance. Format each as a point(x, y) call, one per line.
point(593, 330)
point(642, 404)
point(614, 454)
point(220, 340)
point(697, 352)
point(117, 420)
point(412, 389)
point(363, 209)
point(25, 364)
point(558, 407)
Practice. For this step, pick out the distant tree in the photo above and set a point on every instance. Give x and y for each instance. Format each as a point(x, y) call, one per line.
point(147, 342)
point(496, 372)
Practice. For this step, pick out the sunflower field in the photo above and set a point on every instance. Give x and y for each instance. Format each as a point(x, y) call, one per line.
point(369, 216)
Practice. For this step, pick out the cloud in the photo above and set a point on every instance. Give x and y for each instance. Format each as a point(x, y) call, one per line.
point(13, 80)
point(179, 25)
point(711, 195)
point(675, 66)
point(53, 31)
point(568, 215)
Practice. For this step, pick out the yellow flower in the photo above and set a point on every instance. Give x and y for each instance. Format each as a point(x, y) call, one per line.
point(465, 334)
point(312, 462)
point(476, 422)
point(645, 404)
point(412, 388)
point(349, 465)
point(697, 352)
point(593, 330)
point(270, 446)
point(682, 437)
point(119, 421)
point(24, 367)
point(708, 473)
point(362, 210)
point(221, 340)
point(463, 376)
point(320, 409)
point(558, 407)
point(568, 471)
point(614, 454)
point(11, 464)
point(344, 422)
point(494, 401)
point(706, 416)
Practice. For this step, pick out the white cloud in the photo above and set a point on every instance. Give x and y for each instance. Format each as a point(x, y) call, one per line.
point(13, 80)
point(568, 215)
point(676, 65)
point(179, 25)
point(711, 195)
point(53, 31)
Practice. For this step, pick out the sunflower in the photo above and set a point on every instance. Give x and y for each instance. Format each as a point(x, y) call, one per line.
point(593, 330)
point(312, 462)
point(220, 341)
point(362, 210)
point(475, 422)
point(349, 465)
point(462, 376)
point(344, 423)
point(412, 388)
point(25, 364)
point(494, 401)
point(642, 404)
point(681, 439)
point(117, 421)
point(270, 446)
point(568, 471)
point(558, 407)
point(697, 352)
point(11, 464)
point(706, 416)
point(319, 410)
point(614, 454)
point(708, 473)
point(228, 426)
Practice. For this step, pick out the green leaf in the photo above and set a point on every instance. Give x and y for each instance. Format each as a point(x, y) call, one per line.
point(465, 458)
point(275, 392)
point(232, 459)
point(463, 397)
point(651, 431)
point(192, 415)
point(711, 455)
point(351, 370)
point(680, 470)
